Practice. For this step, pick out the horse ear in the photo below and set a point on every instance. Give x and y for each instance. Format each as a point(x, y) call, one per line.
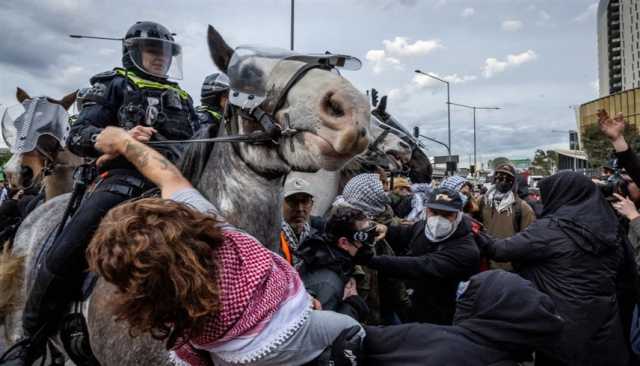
point(68, 100)
point(220, 51)
point(21, 95)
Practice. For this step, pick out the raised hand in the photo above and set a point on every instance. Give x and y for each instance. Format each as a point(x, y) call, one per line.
point(613, 128)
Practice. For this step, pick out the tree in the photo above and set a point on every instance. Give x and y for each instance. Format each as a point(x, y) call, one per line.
point(543, 162)
point(599, 148)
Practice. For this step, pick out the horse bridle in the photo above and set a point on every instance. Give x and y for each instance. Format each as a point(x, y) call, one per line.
point(264, 114)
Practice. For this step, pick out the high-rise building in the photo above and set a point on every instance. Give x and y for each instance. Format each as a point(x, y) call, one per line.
point(618, 45)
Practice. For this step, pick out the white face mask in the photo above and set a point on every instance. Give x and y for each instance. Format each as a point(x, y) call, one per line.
point(439, 227)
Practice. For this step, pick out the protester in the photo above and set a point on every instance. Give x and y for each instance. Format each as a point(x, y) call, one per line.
point(327, 269)
point(501, 211)
point(627, 206)
point(421, 192)
point(438, 252)
point(225, 298)
point(573, 254)
point(500, 319)
point(296, 217)
point(4, 191)
point(401, 196)
point(401, 186)
point(464, 188)
point(386, 296)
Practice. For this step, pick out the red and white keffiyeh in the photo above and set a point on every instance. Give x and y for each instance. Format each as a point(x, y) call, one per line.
point(257, 289)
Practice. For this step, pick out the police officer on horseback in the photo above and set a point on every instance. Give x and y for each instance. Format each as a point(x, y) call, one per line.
point(214, 96)
point(140, 98)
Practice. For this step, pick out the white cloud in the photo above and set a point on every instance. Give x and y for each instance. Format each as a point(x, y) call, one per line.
point(544, 16)
point(494, 66)
point(421, 81)
point(468, 12)
point(380, 61)
point(512, 25)
point(587, 13)
point(396, 48)
point(400, 46)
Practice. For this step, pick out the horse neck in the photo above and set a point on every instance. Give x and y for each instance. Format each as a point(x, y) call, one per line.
point(245, 198)
point(61, 181)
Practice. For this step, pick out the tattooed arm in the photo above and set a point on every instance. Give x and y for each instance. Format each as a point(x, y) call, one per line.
point(113, 141)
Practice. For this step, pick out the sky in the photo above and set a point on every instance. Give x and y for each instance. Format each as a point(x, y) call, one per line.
point(535, 59)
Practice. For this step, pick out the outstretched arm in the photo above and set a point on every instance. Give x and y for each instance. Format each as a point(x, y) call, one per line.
point(114, 141)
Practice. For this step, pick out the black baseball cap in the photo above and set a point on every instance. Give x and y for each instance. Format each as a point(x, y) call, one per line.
point(444, 199)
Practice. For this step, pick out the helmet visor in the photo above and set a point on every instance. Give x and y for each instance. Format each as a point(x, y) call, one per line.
point(156, 57)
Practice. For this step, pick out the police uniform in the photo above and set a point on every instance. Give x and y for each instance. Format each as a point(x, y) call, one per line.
point(125, 98)
point(208, 117)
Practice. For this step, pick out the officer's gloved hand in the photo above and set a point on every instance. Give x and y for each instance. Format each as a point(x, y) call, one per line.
point(363, 255)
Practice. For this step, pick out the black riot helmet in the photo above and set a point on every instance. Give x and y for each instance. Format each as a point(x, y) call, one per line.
point(150, 48)
point(214, 86)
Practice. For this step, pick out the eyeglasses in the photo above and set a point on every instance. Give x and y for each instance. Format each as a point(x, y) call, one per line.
point(502, 177)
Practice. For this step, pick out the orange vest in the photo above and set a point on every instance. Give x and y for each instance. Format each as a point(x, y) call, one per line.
point(284, 246)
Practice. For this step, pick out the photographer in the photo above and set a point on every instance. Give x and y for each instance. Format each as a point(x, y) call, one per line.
point(441, 252)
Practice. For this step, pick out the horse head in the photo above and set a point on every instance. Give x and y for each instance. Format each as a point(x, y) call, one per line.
point(326, 116)
point(35, 130)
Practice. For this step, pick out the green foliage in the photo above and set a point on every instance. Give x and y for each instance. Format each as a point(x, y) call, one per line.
point(599, 148)
point(544, 162)
point(4, 157)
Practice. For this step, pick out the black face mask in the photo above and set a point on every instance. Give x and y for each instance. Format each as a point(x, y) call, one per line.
point(26, 176)
point(503, 187)
point(366, 236)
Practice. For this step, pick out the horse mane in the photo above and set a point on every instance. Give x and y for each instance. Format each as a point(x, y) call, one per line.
point(196, 155)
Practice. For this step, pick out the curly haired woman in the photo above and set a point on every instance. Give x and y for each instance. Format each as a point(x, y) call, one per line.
point(213, 292)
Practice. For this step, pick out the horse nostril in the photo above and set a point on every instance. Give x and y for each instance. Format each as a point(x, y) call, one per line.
point(363, 132)
point(332, 106)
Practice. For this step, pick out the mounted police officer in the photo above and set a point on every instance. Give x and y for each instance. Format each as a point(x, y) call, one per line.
point(214, 96)
point(137, 97)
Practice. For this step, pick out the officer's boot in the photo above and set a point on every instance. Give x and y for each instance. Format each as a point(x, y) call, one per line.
point(47, 300)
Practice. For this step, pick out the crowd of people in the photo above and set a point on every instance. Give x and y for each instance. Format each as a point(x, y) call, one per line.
point(395, 273)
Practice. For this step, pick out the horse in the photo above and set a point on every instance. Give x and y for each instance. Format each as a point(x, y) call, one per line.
point(326, 121)
point(392, 149)
point(50, 166)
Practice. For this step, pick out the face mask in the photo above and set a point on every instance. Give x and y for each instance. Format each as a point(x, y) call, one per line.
point(439, 226)
point(464, 198)
point(503, 187)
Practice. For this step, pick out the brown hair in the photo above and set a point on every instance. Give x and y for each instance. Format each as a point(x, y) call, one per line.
point(158, 254)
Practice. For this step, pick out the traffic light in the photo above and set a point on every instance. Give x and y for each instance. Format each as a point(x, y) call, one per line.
point(374, 97)
point(472, 169)
point(416, 131)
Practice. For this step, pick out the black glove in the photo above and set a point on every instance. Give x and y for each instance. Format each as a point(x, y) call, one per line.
point(346, 350)
point(363, 255)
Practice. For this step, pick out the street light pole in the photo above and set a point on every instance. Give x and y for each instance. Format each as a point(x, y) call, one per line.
point(292, 7)
point(475, 160)
point(448, 108)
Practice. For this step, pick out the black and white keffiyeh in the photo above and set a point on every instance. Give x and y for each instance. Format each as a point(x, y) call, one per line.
point(364, 192)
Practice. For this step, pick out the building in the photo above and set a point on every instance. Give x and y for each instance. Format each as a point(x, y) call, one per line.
point(575, 160)
point(627, 102)
point(618, 45)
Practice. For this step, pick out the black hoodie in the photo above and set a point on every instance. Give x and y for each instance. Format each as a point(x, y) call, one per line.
point(573, 254)
point(500, 320)
point(325, 270)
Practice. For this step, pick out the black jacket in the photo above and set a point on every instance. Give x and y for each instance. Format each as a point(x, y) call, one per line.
point(432, 270)
point(325, 270)
point(500, 320)
point(114, 100)
point(573, 254)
